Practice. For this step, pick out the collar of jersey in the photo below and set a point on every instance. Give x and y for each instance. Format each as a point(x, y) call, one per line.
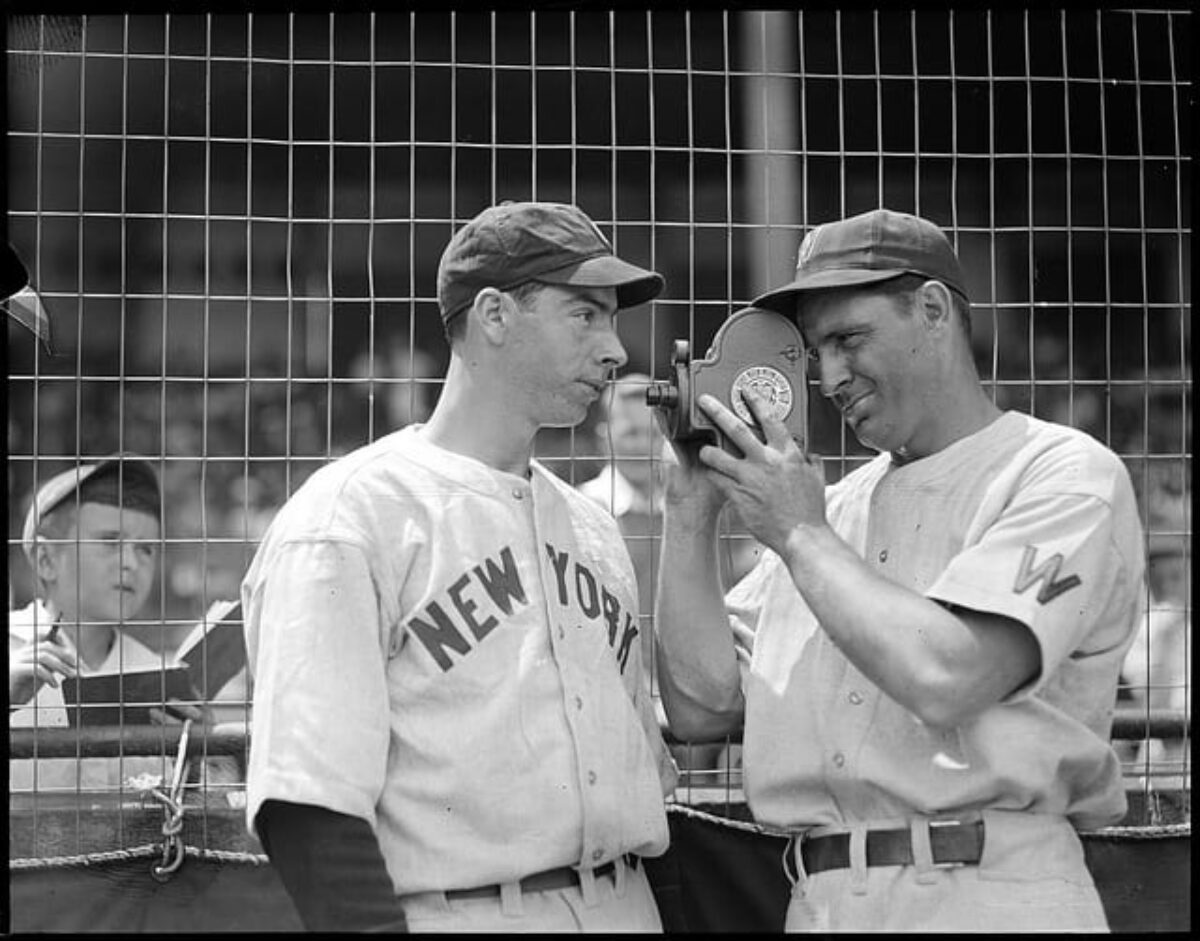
point(464, 470)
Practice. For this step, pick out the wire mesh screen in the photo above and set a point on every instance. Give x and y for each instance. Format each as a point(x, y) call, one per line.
point(235, 221)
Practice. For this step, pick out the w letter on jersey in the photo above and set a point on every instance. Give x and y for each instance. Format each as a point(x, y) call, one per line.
point(1047, 573)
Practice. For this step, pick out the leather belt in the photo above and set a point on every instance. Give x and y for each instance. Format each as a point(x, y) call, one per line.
point(952, 842)
point(562, 878)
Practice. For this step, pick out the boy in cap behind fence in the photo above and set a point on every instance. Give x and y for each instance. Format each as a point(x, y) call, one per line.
point(92, 537)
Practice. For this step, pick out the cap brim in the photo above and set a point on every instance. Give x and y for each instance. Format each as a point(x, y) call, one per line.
point(782, 300)
point(634, 285)
point(58, 488)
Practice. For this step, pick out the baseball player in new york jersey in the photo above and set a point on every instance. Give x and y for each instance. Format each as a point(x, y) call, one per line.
point(452, 726)
point(926, 662)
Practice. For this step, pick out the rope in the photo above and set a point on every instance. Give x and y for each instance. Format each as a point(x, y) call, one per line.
point(1153, 832)
point(725, 821)
point(259, 859)
point(133, 853)
point(173, 851)
point(87, 859)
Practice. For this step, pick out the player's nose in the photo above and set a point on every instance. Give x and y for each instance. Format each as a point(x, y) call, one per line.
point(612, 350)
point(833, 372)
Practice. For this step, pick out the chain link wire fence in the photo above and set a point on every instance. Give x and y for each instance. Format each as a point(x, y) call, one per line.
point(234, 221)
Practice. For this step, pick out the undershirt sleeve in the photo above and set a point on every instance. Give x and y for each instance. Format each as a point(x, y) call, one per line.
point(331, 866)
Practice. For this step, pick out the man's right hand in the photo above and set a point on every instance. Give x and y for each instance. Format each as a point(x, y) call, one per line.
point(39, 662)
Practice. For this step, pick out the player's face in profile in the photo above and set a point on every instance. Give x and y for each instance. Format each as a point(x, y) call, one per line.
point(871, 354)
point(565, 347)
point(106, 573)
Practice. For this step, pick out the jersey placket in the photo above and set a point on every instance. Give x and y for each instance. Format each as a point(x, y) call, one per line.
point(853, 701)
point(568, 643)
point(850, 706)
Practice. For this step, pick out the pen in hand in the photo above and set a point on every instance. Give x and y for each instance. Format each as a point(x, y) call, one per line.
point(53, 638)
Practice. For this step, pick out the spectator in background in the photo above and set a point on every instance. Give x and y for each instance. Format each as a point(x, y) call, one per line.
point(92, 537)
point(630, 487)
point(399, 382)
point(1157, 669)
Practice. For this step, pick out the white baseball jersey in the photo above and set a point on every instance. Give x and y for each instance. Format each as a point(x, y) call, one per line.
point(1026, 519)
point(451, 653)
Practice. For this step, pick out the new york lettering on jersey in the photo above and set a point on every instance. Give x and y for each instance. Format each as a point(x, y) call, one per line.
point(490, 592)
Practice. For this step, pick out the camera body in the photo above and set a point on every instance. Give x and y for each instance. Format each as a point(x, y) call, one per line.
point(753, 349)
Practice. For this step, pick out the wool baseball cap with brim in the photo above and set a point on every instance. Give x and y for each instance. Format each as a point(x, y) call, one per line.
point(61, 487)
point(866, 249)
point(515, 242)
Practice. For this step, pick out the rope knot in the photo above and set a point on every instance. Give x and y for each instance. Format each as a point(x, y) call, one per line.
point(173, 850)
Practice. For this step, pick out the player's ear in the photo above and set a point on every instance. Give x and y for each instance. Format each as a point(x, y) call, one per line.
point(934, 303)
point(491, 312)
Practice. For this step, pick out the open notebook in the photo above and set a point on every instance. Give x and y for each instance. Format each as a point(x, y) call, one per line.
point(209, 657)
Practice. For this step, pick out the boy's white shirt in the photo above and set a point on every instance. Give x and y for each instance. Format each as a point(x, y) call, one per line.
point(48, 710)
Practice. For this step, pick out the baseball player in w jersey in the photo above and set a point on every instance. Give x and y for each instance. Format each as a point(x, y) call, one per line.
point(452, 726)
point(926, 661)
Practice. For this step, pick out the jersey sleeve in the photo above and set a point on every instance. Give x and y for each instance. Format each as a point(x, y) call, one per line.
point(1057, 563)
point(319, 656)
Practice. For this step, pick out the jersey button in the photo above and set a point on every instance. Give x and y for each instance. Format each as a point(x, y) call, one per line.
point(518, 494)
point(855, 698)
point(578, 702)
point(591, 777)
point(597, 855)
point(562, 632)
point(883, 555)
point(839, 759)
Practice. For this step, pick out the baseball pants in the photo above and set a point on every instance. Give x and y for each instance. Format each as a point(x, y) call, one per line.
point(1031, 877)
point(621, 902)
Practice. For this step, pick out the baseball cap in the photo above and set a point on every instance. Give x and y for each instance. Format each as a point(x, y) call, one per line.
point(865, 249)
point(514, 242)
point(59, 488)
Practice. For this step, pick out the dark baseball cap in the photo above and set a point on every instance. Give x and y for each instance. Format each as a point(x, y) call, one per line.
point(58, 489)
point(512, 243)
point(866, 249)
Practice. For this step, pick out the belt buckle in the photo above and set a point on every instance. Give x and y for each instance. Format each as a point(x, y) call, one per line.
point(937, 822)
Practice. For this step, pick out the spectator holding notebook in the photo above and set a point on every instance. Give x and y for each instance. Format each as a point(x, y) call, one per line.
point(92, 537)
